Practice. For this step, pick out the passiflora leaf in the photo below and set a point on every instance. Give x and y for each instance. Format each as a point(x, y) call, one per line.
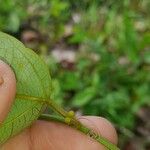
point(33, 80)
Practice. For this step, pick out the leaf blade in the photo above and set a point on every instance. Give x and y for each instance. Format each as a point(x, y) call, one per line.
point(33, 79)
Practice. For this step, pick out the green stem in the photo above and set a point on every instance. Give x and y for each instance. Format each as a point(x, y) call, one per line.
point(73, 121)
point(51, 118)
point(82, 128)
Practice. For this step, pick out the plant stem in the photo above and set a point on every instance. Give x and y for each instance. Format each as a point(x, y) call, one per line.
point(82, 128)
point(71, 120)
point(51, 118)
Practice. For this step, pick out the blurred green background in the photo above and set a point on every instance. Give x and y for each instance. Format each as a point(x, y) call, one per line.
point(98, 52)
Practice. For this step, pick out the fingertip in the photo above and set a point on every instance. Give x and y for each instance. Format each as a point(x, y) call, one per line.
point(110, 131)
point(102, 126)
point(7, 89)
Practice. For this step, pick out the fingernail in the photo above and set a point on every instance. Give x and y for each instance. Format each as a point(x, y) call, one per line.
point(1, 80)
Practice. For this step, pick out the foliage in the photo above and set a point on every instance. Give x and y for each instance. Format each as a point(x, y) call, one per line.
point(113, 79)
point(111, 39)
point(33, 82)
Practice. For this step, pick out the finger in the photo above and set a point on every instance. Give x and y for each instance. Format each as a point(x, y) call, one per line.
point(56, 136)
point(102, 126)
point(7, 89)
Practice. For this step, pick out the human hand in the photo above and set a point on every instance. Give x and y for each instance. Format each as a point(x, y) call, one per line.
point(43, 135)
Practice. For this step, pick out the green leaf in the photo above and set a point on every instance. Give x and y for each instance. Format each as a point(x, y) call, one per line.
point(69, 80)
point(147, 57)
point(84, 97)
point(14, 22)
point(33, 80)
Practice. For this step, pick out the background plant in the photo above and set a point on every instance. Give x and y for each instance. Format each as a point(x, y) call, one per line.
point(110, 42)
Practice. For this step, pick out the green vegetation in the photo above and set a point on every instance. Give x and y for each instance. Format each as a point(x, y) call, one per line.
point(110, 75)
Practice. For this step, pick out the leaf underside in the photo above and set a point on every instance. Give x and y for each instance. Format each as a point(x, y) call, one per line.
point(33, 79)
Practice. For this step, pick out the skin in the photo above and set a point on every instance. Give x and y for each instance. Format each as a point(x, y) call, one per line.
point(44, 135)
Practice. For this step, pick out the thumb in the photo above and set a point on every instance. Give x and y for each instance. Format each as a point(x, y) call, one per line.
point(7, 89)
